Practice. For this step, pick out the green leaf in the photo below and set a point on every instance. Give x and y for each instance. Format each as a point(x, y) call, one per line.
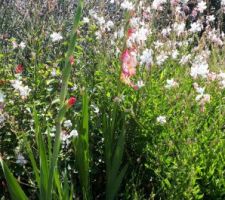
point(15, 190)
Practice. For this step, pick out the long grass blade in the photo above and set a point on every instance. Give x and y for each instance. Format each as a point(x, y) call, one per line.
point(15, 190)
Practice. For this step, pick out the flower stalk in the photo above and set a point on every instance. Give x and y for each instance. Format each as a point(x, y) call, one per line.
point(65, 78)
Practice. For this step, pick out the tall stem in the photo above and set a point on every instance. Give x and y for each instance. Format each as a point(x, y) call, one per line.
point(65, 78)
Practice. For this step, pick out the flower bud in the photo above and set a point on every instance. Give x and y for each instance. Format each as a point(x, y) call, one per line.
point(71, 101)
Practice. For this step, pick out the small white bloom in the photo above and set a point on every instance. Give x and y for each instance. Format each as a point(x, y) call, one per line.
point(201, 6)
point(96, 109)
point(160, 59)
point(22, 45)
point(2, 97)
point(21, 160)
point(222, 83)
point(140, 84)
point(100, 20)
point(222, 2)
point(2, 118)
point(185, 59)
point(19, 87)
point(146, 57)
point(74, 88)
point(67, 124)
point(53, 72)
point(24, 91)
point(98, 35)
point(109, 25)
point(73, 133)
point(174, 54)
point(200, 90)
point(211, 18)
point(157, 4)
point(200, 69)
point(56, 37)
point(86, 20)
point(171, 83)
point(127, 5)
point(179, 28)
point(196, 27)
point(161, 119)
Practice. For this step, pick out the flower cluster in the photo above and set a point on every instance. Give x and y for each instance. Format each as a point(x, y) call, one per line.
point(20, 88)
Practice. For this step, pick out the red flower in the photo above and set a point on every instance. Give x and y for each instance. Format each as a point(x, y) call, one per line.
point(71, 101)
point(19, 69)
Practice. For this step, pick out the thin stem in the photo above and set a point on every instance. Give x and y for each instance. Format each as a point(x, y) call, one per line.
point(65, 78)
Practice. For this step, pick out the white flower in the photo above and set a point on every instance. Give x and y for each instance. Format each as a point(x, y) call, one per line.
point(109, 25)
point(100, 20)
point(157, 4)
point(67, 124)
point(19, 87)
point(96, 109)
point(22, 45)
point(166, 31)
point(65, 137)
point(161, 119)
point(140, 84)
point(98, 35)
point(127, 5)
point(222, 83)
point(56, 37)
point(158, 44)
point(73, 133)
point(185, 59)
point(196, 27)
point(211, 18)
point(146, 57)
point(160, 59)
point(200, 92)
point(222, 2)
point(24, 91)
point(179, 28)
point(86, 20)
point(201, 6)
point(171, 83)
point(53, 72)
point(174, 54)
point(199, 69)
point(2, 118)
point(74, 87)
point(2, 97)
point(139, 37)
point(21, 160)
point(134, 22)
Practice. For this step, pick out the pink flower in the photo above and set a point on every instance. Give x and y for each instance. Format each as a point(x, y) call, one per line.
point(130, 31)
point(129, 62)
point(174, 2)
point(194, 13)
point(135, 87)
point(72, 60)
point(19, 69)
